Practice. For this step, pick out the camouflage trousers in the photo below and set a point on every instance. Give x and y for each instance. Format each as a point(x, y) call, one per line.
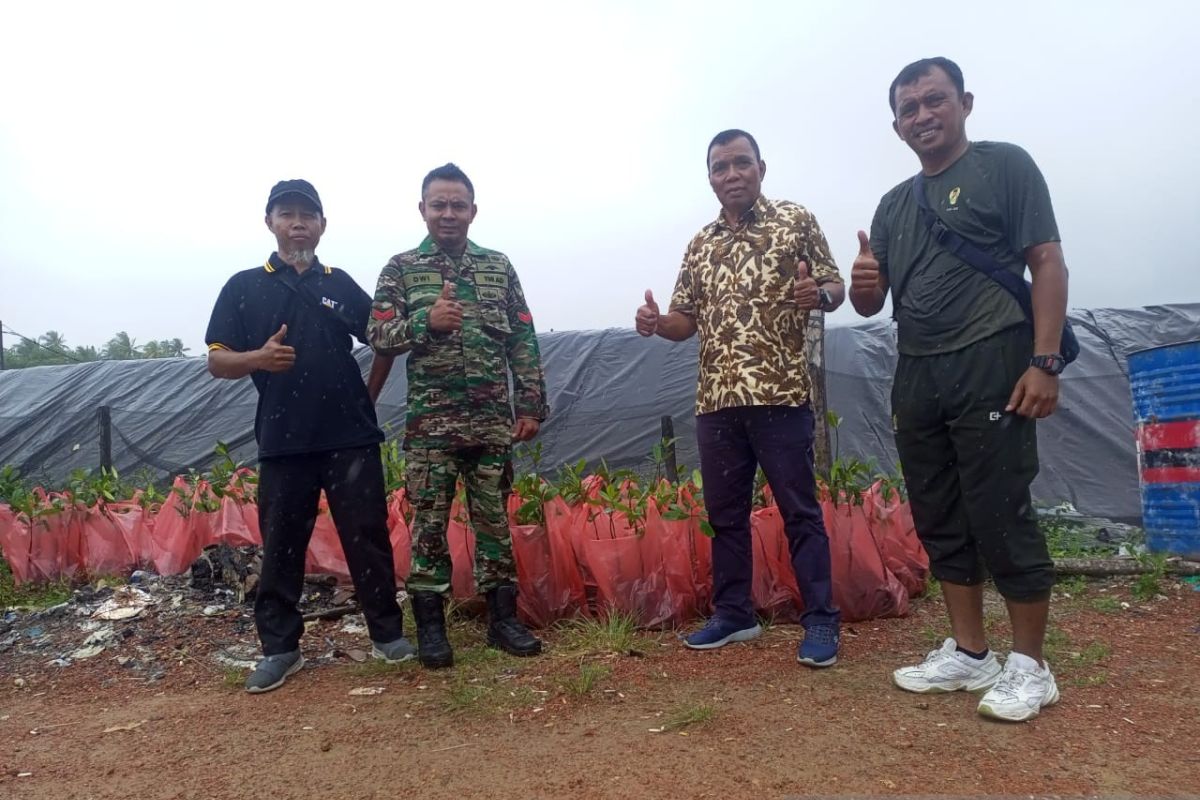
point(432, 477)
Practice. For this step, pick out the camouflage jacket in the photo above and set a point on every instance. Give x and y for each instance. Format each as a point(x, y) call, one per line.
point(458, 382)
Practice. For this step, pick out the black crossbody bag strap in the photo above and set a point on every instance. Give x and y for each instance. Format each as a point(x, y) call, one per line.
point(976, 257)
point(332, 320)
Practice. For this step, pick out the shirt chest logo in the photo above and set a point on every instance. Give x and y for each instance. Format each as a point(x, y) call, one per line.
point(953, 198)
point(331, 304)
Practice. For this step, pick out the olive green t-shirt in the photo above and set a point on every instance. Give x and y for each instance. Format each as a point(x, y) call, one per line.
point(995, 197)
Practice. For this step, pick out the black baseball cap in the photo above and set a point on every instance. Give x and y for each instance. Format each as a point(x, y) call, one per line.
point(294, 186)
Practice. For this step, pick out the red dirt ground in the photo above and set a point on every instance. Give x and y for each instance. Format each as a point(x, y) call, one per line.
point(498, 727)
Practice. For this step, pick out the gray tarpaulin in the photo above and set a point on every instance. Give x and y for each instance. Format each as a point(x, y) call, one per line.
point(608, 390)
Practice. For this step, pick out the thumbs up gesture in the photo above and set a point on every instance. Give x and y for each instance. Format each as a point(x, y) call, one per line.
point(646, 320)
point(805, 292)
point(864, 275)
point(274, 355)
point(445, 316)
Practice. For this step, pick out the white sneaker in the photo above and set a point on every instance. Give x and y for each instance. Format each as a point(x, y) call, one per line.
point(947, 670)
point(1023, 690)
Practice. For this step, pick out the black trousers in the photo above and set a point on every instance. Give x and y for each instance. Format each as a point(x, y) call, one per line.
point(968, 465)
point(289, 490)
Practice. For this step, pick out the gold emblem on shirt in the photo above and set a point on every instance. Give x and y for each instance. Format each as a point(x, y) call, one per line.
point(954, 195)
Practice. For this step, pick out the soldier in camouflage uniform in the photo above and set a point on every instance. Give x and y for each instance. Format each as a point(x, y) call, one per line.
point(458, 310)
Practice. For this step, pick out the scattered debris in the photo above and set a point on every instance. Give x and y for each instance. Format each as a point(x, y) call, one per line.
point(366, 691)
point(125, 602)
point(232, 569)
point(155, 623)
point(238, 656)
point(126, 727)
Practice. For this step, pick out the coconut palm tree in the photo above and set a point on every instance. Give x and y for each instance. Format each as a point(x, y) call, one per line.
point(121, 348)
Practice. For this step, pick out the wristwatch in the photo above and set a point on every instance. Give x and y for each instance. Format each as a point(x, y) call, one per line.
point(1052, 363)
point(825, 299)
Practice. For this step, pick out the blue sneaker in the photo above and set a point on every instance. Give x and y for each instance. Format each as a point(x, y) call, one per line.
point(716, 633)
point(820, 646)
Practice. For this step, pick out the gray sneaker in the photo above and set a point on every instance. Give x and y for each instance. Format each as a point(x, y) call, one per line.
point(272, 671)
point(393, 652)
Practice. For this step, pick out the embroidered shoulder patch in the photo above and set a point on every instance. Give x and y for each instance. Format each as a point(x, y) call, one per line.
point(383, 314)
point(525, 317)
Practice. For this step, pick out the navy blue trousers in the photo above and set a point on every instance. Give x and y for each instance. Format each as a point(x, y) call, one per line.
point(733, 443)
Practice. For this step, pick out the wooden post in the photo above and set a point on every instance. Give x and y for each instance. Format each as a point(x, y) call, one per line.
point(815, 346)
point(668, 439)
point(105, 438)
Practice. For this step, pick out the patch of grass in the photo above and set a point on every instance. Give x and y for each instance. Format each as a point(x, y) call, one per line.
point(1067, 540)
point(1074, 585)
point(1056, 644)
point(612, 633)
point(1078, 666)
point(933, 588)
point(1107, 604)
point(1095, 679)
point(233, 677)
point(466, 696)
point(30, 595)
point(767, 621)
point(485, 695)
point(1093, 654)
point(585, 681)
point(1148, 585)
point(690, 714)
point(480, 656)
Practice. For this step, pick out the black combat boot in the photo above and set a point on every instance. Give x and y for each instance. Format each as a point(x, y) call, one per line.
point(504, 629)
point(433, 648)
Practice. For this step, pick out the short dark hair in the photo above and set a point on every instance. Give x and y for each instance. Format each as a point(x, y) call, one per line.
point(448, 172)
point(725, 137)
point(919, 69)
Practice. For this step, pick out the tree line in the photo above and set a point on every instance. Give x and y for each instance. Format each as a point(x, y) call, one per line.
point(52, 348)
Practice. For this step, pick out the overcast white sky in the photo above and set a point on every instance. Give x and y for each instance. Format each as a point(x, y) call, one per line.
point(138, 141)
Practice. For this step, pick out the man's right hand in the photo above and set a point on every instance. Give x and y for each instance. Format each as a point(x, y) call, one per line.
point(864, 275)
point(274, 355)
point(646, 320)
point(445, 316)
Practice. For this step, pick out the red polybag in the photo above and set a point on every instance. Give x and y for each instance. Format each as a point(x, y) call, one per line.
point(325, 555)
point(863, 587)
point(535, 574)
point(676, 545)
point(773, 586)
point(236, 523)
point(550, 586)
point(460, 541)
point(14, 543)
point(627, 567)
point(892, 523)
point(56, 536)
point(400, 534)
point(109, 530)
point(569, 592)
point(174, 542)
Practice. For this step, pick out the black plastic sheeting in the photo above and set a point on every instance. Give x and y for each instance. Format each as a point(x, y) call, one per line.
point(608, 390)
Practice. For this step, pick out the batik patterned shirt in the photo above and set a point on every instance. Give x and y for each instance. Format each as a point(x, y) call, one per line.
point(737, 283)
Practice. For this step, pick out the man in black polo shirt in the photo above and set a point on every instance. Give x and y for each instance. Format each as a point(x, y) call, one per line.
point(290, 325)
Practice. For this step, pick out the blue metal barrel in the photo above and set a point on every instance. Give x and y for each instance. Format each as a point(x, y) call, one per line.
point(1165, 382)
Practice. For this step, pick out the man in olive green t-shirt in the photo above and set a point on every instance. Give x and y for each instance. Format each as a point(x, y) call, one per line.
point(974, 375)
